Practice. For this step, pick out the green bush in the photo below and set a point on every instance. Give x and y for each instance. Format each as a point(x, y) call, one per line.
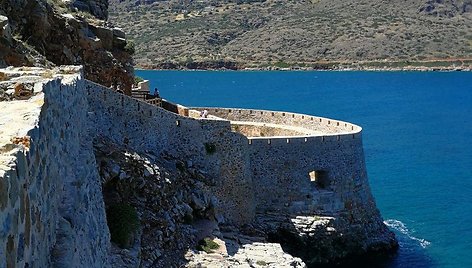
point(261, 263)
point(130, 47)
point(123, 222)
point(138, 79)
point(210, 148)
point(207, 245)
point(282, 64)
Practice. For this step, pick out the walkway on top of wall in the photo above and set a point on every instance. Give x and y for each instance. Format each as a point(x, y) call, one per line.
point(284, 122)
point(295, 129)
point(263, 124)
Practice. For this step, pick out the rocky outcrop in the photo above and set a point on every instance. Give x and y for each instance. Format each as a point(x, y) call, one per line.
point(167, 196)
point(319, 239)
point(98, 8)
point(446, 8)
point(256, 254)
point(177, 209)
point(46, 33)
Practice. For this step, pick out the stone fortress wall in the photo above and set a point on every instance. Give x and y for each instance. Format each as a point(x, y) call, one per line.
point(318, 126)
point(51, 205)
point(146, 127)
point(320, 171)
point(55, 216)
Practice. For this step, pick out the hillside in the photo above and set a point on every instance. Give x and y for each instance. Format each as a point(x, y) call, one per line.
point(260, 33)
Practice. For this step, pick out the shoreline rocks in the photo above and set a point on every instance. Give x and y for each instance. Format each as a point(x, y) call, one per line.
point(235, 66)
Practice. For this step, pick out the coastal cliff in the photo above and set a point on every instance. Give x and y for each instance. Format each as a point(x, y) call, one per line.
point(278, 200)
point(44, 33)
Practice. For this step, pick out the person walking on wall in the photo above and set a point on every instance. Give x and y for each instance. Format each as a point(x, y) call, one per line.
point(204, 114)
point(156, 93)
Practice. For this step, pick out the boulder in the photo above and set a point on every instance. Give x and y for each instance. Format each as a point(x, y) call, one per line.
point(119, 42)
point(105, 35)
point(82, 6)
point(118, 32)
point(5, 31)
point(98, 8)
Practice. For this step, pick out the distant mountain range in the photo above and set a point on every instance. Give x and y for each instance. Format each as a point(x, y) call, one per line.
point(295, 33)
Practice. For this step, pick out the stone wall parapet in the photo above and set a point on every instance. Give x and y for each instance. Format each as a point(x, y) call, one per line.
point(52, 191)
point(319, 125)
point(314, 139)
point(54, 214)
point(147, 127)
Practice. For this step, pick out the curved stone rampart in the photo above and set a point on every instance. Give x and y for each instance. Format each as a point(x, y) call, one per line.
point(281, 164)
point(320, 126)
point(321, 172)
point(308, 166)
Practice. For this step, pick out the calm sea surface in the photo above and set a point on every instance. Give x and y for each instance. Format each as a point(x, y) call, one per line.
point(417, 140)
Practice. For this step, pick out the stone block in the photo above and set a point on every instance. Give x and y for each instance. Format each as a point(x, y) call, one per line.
point(14, 188)
point(5, 30)
point(119, 42)
point(3, 193)
point(5, 226)
point(11, 252)
point(118, 32)
point(105, 35)
point(21, 248)
point(27, 223)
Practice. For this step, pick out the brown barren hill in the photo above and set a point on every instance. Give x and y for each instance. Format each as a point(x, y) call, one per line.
point(288, 34)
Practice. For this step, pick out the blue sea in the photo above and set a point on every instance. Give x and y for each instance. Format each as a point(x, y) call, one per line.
point(417, 140)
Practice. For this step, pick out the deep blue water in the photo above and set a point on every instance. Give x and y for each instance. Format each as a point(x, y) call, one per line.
point(417, 140)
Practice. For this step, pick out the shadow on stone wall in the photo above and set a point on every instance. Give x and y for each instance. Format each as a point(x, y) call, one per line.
point(177, 210)
point(168, 195)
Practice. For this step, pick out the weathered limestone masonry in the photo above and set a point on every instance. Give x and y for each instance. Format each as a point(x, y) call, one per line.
point(284, 162)
point(307, 172)
point(298, 164)
point(145, 127)
point(320, 173)
point(51, 207)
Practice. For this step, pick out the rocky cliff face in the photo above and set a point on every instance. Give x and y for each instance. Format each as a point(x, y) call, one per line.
point(47, 33)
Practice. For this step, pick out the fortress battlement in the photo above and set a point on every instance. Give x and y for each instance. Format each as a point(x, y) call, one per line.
point(51, 206)
point(276, 125)
point(313, 125)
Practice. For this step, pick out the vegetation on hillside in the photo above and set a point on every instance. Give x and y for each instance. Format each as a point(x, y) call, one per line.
point(298, 33)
